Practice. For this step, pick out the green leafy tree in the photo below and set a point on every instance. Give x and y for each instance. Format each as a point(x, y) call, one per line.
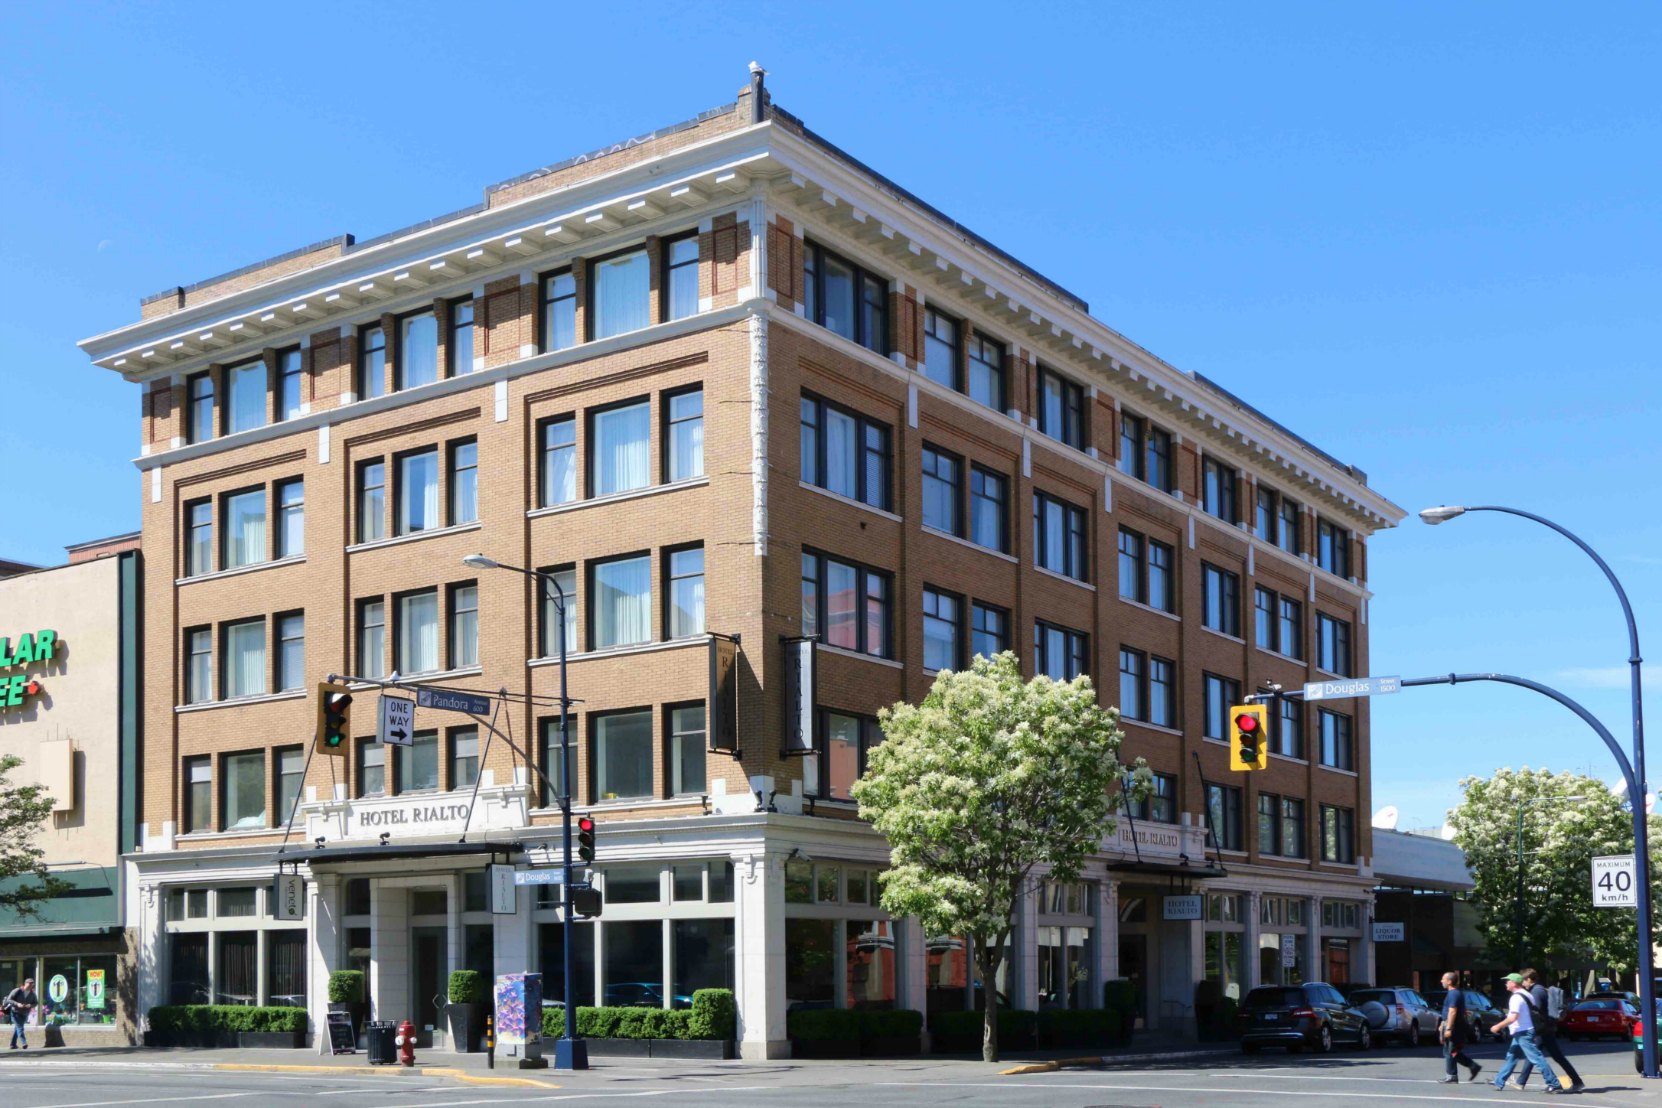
point(990, 777)
point(24, 882)
point(1561, 836)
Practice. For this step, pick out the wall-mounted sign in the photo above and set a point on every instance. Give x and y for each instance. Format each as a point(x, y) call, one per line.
point(504, 897)
point(800, 673)
point(30, 649)
point(724, 694)
point(1388, 932)
point(1182, 907)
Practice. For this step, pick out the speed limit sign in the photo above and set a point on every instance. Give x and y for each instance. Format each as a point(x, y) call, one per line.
point(1614, 884)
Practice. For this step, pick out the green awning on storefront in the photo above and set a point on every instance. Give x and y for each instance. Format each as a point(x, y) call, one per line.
point(90, 906)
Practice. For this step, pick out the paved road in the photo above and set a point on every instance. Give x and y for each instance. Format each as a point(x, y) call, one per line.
point(1382, 1077)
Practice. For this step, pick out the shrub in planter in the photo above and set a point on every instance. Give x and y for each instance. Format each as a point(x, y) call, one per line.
point(823, 1032)
point(960, 1032)
point(890, 1031)
point(467, 987)
point(1223, 1023)
point(1119, 995)
point(346, 986)
point(223, 1022)
point(715, 1015)
point(468, 997)
point(712, 1016)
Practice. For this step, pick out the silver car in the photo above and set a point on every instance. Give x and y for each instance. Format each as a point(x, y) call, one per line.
point(1398, 1014)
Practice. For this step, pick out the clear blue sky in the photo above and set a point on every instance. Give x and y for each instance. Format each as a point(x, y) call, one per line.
point(1425, 235)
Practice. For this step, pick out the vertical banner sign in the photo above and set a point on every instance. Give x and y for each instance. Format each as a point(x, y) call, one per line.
point(504, 898)
point(288, 896)
point(95, 988)
point(1289, 950)
point(800, 695)
point(724, 695)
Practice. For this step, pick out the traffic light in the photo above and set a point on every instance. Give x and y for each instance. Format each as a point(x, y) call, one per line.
point(1249, 741)
point(586, 901)
point(585, 840)
point(334, 718)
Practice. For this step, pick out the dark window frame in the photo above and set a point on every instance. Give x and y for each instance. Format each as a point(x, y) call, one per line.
point(1228, 588)
point(1225, 826)
point(958, 488)
point(667, 569)
point(930, 313)
point(590, 737)
point(1338, 748)
point(361, 370)
point(591, 287)
point(871, 735)
point(285, 374)
point(669, 268)
point(1076, 644)
point(452, 485)
point(989, 477)
point(194, 417)
point(1072, 415)
point(360, 488)
point(546, 300)
point(591, 442)
point(458, 364)
point(544, 426)
point(1334, 645)
point(863, 574)
point(977, 608)
point(1225, 502)
point(670, 424)
point(190, 819)
point(1338, 834)
point(1332, 548)
point(1215, 705)
point(814, 255)
point(959, 623)
point(1160, 805)
point(398, 382)
point(864, 426)
point(1076, 561)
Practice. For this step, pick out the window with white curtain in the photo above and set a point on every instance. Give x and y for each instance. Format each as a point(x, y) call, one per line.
point(245, 388)
point(291, 651)
point(244, 658)
point(464, 626)
point(621, 602)
point(681, 277)
point(372, 501)
point(418, 764)
point(566, 578)
point(199, 546)
point(199, 665)
point(372, 638)
point(464, 482)
point(244, 528)
point(687, 748)
point(684, 453)
point(623, 755)
point(418, 492)
point(620, 288)
point(199, 414)
point(464, 757)
point(291, 775)
point(418, 349)
point(686, 592)
point(559, 461)
point(559, 311)
point(620, 448)
point(243, 802)
point(418, 633)
point(291, 518)
point(372, 362)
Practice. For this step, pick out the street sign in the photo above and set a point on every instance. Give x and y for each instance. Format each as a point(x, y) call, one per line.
point(1614, 882)
point(537, 877)
point(504, 901)
point(288, 896)
point(1181, 907)
point(1355, 686)
point(1388, 932)
point(448, 701)
point(397, 721)
point(1289, 950)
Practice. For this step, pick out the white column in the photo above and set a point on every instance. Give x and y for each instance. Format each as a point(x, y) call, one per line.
point(912, 965)
point(1249, 943)
point(1361, 966)
point(323, 955)
point(150, 932)
point(515, 948)
point(1024, 949)
point(759, 933)
point(262, 966)
point(1313, 968)
point(389, 951)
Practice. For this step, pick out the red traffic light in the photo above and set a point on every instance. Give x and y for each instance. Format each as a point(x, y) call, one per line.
point(584, 823)
point(1246, 722)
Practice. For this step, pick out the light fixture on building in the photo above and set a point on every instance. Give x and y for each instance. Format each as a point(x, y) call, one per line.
point(385, 835)
point(321, 842)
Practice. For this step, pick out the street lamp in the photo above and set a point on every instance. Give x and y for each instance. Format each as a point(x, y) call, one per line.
point(570, 1051)
point(1518, 906)
point(1641, 836)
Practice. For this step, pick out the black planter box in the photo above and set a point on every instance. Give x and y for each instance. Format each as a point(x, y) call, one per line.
point(284, 1040)
point(825, 1048)
point(722, 1049)
point(890, 1046)
point(190, 1038)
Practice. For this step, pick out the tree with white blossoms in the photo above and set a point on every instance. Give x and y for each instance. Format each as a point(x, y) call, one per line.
point(990, 777)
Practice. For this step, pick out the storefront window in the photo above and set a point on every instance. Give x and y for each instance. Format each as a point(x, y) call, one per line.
point(236, 981)
point(73, 990)
point(634, 964)
point(551, 951)
point(810, 962)
point(1223, 961)
point(703, 958)
point(1280, 958)
point(826, 880)
point(189, 961)
point(799, 883)
point(285, 980)
point(1064, 967)
point(632, 885)
point(947, 959)
point(871, 963)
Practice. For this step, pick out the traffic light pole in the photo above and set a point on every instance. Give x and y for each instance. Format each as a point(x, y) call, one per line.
point(570, 1051)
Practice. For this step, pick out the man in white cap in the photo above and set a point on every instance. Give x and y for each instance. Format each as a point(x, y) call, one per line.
point(1525, 1044)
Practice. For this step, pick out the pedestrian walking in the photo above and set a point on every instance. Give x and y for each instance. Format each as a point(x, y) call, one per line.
point(1453, 1030)
point(1546, 1024)
point(19, 1003)
point(1525, 1043)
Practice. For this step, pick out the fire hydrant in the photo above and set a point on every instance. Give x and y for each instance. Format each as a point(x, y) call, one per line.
point(406, 1043)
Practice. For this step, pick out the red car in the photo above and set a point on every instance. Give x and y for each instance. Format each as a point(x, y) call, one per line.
point(1596, 1018)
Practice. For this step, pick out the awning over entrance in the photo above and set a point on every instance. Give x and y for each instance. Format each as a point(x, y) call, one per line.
point(1199, 872)
point(334, 855)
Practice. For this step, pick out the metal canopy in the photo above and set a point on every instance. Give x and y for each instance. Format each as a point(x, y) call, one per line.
point(316, 856)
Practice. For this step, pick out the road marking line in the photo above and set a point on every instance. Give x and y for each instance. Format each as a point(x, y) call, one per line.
point(669, 1092)
point(1391, 1096)
point(152, 1100)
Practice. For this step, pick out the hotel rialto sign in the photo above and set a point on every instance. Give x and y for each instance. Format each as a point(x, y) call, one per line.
point(26, 649)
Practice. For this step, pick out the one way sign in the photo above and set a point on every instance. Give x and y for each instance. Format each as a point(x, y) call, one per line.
point(397, 720)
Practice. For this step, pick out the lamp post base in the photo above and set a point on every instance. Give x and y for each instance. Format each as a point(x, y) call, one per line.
point(571, 1054)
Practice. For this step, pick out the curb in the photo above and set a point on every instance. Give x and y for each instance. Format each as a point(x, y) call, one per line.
point(1107, 1060)
point(395, 1071)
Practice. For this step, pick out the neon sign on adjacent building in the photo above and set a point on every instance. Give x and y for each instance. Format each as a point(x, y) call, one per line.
point(31, 649)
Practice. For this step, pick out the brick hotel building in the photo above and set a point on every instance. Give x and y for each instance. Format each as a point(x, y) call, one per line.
point(731, 387)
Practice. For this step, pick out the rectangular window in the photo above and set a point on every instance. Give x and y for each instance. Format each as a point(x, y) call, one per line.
point(199, 541)
point(1158, 469)
point(1061, 409)
point(242, 807)
point(1292, 827)
point(553, 782)
point(372, 501)
point(1291, 642)
point(1333, 548)
point(1266, 520)
point(989, 509)
point(291, 775)
point(1061, 653)
point(464, 482)
point(418, 349)
point(1221, 599)
point(243, 519)
point(619, 294)
point(1162, 691)
point(244, 658)
point(620, 446)
point(941, 346)
point(687, 747)
point(989, 631)
point(199, 665)
point(686, 592)
point(986, 372)
point(1160, 806)
point(848, 741)
point(1289, 739)
point(1223, 809)
point(681, 277)
point(942, 630)
point(458, 345)
point(1333, 644)
point(844, 453)
point(1338, 834)
point(372, 768)
point(417, 765)
point(559, 311)
point(199, 416)
point(1133, 434)
point(245, 389)
point(566, 578)
point(559, 461)
point(418, 633)
point(291, 518)
point(1338, 749)
point(1162, 590)
point(372, 362)
point(464, 626)
point(846, 299)
point(291, 651)
point(942, 491)
point(199, 795)
point(620, 602)
point(464, 757)
point(1133, 569)
point(418, 493)
point(1269, 823)
point(1219, 694)
point(684, 448)
point(1289, 535)
point(1265, 626)
point(1218, 490)
point(1058, 536)
point(1133, 684)
point(846, 604)
point(290, 383)
point(622, 755)
point(372, 638)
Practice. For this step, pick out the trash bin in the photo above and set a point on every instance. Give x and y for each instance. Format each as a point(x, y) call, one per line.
point(382, 1049)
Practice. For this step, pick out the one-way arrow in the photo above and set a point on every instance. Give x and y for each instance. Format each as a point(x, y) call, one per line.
point(398, 735)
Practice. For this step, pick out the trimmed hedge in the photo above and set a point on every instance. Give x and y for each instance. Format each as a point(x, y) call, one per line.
point(467, 987)
point(824, 1025)
point(1078, 1026)
point(714, 1015)
point(893, 1023)
point(1014, 1024)
point(346, 986)
point(233, 1018)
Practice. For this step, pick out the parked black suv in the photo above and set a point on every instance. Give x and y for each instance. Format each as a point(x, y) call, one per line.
point(1310, 1015)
